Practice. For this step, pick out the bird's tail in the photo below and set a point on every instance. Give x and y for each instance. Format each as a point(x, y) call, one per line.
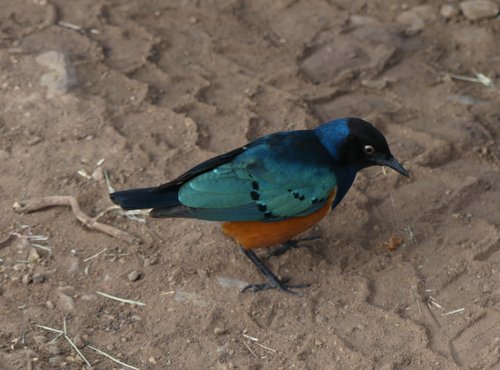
point(145, 198)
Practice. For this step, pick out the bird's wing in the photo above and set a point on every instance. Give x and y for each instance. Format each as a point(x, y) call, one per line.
point(199, 169)
point(259, 185)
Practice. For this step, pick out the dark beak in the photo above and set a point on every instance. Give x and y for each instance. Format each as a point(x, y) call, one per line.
point(392, 163)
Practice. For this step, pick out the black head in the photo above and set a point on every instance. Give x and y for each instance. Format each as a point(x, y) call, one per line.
point(365, 146)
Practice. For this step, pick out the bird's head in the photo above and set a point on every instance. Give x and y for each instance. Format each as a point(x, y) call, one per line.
point(356, 143)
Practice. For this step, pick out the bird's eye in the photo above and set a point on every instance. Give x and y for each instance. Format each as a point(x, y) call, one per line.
point(369, 149)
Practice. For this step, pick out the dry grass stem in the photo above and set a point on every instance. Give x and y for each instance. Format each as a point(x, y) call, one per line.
point(459, 310)
point(35, 204)
point(77, 350)
point(50, 329)
point(71, 26)
point(413, 289)
point(111, 189)
point(250, 350)
point(251, 338)
point(95, 255)
point(433, 302)
point(266, 348)
point(123, 300)
point(113, 359)
point(68, 339)
point(480, 78)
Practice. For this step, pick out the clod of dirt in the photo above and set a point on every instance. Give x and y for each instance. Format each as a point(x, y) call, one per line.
point(62, 75)
point(479, 9)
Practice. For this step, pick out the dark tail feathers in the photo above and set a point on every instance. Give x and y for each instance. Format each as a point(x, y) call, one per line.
point(145, 198)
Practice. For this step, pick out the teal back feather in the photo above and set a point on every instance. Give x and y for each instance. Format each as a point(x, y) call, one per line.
point(279, 176)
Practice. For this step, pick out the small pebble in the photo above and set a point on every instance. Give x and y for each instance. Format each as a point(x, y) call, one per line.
point(449, 11)
point(35, 139)
point(74, 266)
point(65, 301)
point(219, 331)
point(479, 9)
point(415, 19)
point(56, 360)
point(61, 76)
point(150, 261)
point(412, 22)
point(134, 275)
point(19, 267)
point(33, 255)
point(98, 174)
point(320, 319)
point(27, 278)
point(202, 273)
point(374, 84)
point(88, 297)
point(38, 278)
point(51, 348)
point(78, 340)
point(223, 349)
point(152, 360)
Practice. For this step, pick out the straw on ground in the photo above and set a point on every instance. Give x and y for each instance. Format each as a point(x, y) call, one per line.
point(124, 300)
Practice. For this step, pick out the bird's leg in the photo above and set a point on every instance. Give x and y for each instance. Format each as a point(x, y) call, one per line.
point(290, 244)
point(272, 282)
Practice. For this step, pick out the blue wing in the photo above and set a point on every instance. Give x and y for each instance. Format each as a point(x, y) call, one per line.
point(279, 176)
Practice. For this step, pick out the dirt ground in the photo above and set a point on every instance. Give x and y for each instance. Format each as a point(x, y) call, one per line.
point(146, 89)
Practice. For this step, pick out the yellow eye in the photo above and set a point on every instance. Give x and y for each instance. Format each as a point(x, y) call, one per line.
point(369, 149)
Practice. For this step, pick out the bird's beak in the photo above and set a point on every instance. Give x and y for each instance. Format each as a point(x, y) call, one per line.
point(392, 163)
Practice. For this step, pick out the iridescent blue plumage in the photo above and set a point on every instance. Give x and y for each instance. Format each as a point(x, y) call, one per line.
point(279, 176)
point(282, 175)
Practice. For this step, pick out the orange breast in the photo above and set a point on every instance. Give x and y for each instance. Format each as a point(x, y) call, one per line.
point(255, 234)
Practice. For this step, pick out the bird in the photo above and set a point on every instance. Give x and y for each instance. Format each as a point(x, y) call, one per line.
point(272, 189)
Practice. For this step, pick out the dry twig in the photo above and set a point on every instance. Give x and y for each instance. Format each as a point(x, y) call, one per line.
point(36, 204)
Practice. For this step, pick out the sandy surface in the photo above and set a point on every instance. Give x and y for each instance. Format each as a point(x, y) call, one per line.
point(154, 87)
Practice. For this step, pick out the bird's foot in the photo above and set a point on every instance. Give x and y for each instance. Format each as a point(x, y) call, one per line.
point(275, 283)
point(290, 244)
point(272, 282)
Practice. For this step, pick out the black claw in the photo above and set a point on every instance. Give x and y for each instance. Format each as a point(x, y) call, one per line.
point(291, 244)
point(272, 282)
point(280, 286)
